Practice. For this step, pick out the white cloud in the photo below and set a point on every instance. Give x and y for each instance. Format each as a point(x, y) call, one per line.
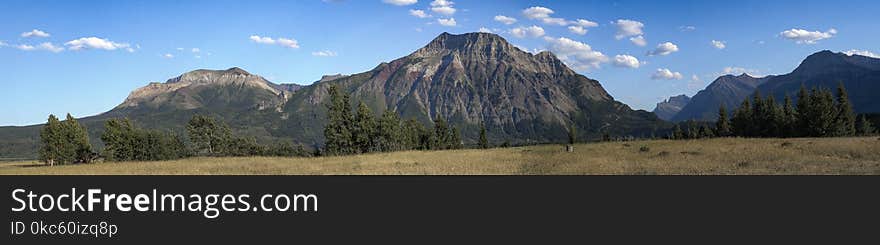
point(504, 19)
point(719, 44)
point(577, 30)
point(531, 31)
point(666, 74)
point(290, 43)
point(179, 49)
point(537, 12)
point(257, 39)
point(3, 44)
point(584, 23)
point(400, 2)
point(95, 43)
point(485, 30)
point(443, 7)
point(739, 70)
point(286, 42)
point(664, 49)
point(628, 61)
point(418, 13)
point(695, 82)
point(25, 47)
point(324, 53)
point(687, 28)
point(628, 28)
point(578, 55)
point(50, 47)
point(196, 50)
point(554, 21)
point(168, 56)
point(447, 22)
point(639, 41)
point(35, 33)
point(802, 36)
point(852, 52)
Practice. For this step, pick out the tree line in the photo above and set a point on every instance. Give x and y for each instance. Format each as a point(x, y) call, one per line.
point(360, 131)
point(66, 142)
point(817, 113)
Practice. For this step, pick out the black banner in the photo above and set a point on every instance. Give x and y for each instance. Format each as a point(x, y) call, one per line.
point(458, 209)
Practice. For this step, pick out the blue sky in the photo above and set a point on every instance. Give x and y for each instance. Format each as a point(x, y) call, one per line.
point(85, 57)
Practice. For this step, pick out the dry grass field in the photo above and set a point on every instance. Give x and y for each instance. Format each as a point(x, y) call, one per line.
point(859, 155)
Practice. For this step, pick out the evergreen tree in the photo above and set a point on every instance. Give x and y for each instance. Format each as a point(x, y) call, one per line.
point(364, 129)
point(208, 135)
point(742, 118)
point(484, 141)
point(846, 118)
point(677, 134)
point(118, 138)
point(455, 139)
point(51, 142)
point(78, 139)
point(413, 131)
point(441, 134)
point(338, 131)
point(390, 133)
point(722, 126)
point(572, 134)
point(823, 113)
point(804, 111)
point(865, 128)
point(789, 118)
point(705, 132)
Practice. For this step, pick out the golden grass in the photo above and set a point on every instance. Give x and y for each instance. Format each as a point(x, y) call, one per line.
point(713, 156)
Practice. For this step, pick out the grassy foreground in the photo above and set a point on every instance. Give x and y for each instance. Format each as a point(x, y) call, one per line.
point(713, 156)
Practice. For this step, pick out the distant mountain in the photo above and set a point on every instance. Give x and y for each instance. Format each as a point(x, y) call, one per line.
point(668, 108)
point(727, 90)
point(859, 74)
point(470, 79)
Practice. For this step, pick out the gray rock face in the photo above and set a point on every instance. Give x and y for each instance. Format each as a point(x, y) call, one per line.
point(668, 108)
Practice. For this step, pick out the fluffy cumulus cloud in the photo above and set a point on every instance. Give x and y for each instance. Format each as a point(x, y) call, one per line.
point(285, 42)
point(400, 2)
point(628, 28)
point(732, 70)
point(580, 30)
point(866, 53)
point(486, 30)
point(578, 55)
point(554, 21)
point(35, 33)
point(96, 43)
point(419, 13)
point(447, 22)
point(443, 7)
point(802, 36)
point(537, 12)
point(664, 49)
point(324, 53)
point(504, 19)
point(531, 31)
point(196, 50)
point(666, 74)
point(25, 47)
point(50, 47)
point(627, 61)
point(718, 44)
point(639, 41)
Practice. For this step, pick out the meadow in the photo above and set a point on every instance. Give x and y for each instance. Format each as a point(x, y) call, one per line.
point(720, 156)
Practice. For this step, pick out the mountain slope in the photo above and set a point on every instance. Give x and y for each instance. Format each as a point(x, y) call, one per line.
point(470, 79)
point(669, 108)
point(727, 90)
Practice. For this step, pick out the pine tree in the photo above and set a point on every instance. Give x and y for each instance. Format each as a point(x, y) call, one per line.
point(789, 118)
point(742, 118)
point(78, 140)
point(118, 138)
point(441, 133)
point(338, 131)
point(846, 118)
point(572, 134)
point(484, 141)
point(804, 110)
point(722, 126)
point(705, 132)
point(51, 143)
point(824, 113)
point(758, 125)
point(865, 128)
point(455, 139)
point(677, 134)
point(389, 131)
point(364, 129)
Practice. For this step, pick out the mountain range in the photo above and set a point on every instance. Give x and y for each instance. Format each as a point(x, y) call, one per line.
point(825, 69)
point(470, 79)
point(669, 108)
